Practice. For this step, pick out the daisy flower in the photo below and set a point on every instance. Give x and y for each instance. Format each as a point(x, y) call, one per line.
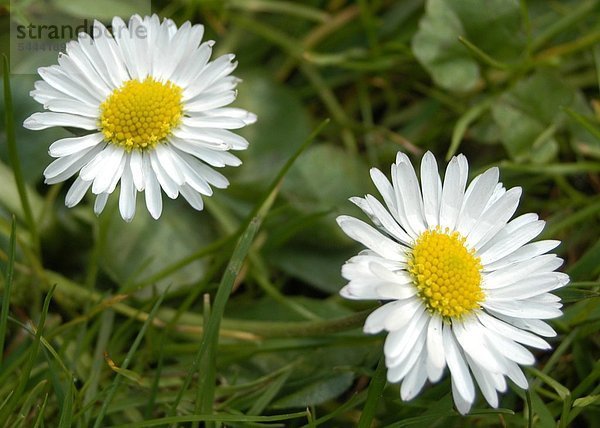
point(151, 107)
point(462, 285)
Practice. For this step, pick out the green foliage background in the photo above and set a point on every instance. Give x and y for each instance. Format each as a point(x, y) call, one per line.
point(124, 306)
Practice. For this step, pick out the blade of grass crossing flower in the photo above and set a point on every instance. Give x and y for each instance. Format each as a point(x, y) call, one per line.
point(8, 279)
point(30, 361)
point(250, 227)
point(374, 395)
point(136, 343)
point(13, 154)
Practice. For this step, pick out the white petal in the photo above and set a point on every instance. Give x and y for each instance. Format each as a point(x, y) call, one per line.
point(409, 194)
point(461, 377)
point(405, 363)
point(476, 198)
point(522, 309)
point(69, 146)
point(512, 332)
point(128, 194)
point(526, 252)
point(529, 287)
point(485, 382)
point(76, 192)
point(46, 120)
point(200, 123)
point(100, 203)
point(472, 340)
point(210, 101)
point(152, 189)
point(169, 163)
point(74, 107)
point(463, 405)
point(508, 348)
point(415, 380)
point(435, 348)
point(107, 170)
point(404, 312)
point(535, 326)
point(400, 344)
point(512, 242)
point(494, 218)
point(65, 167)
point(387, 221)
point(218, 68)
point(386, 190)
point(193, 197)
point(371, 238)
point(170, 187)
point(521, 270)
point(430, 183)
point(110, 54)
point(137, 169)
point(452, 195)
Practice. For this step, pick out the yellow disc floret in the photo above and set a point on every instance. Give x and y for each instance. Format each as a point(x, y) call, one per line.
point(446, 273)
point(140, 114)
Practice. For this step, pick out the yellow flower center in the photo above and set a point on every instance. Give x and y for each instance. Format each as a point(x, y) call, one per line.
point(446, 273)
point(140, 114)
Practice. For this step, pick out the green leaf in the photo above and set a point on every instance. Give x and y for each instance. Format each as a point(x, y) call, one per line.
point(530, 114)
point(325, 177)
point(436, 44)
point(327, 387)
point(146, 246)
point(313, 265)
point(588, 264)
point(586, 401)
point(66, 412)
point(281, 128)
point(104, 10)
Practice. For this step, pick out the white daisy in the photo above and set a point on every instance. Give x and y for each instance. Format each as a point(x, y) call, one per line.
point(462, 285)
point(152, 107)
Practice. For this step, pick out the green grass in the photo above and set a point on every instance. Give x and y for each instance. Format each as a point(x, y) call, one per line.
point(231, 316)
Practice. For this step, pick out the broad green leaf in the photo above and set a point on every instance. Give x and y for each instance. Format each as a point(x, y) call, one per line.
point(529, 116)
point(324, 178)
point(327, 387)
point(315, 266)
point(104, 10)
point(436, 44)
point(588, 264)
point(137, 250)
point(281, 127)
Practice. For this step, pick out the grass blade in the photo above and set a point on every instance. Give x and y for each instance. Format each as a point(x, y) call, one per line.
point(112, 389)
point(33, 353)
point(13, 155)
point(8, 286)
point(66, 412)
point(374, 395)
point(211, 333)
